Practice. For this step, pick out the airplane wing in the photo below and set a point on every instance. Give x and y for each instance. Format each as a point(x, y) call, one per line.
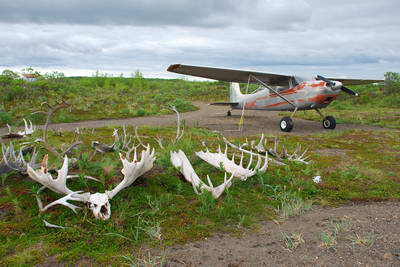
point(229, 75)
point(355, 81)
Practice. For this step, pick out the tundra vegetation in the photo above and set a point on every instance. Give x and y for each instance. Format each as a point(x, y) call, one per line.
point(160, 208)
point(104, 96)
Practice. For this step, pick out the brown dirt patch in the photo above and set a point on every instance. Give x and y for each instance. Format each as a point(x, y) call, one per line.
point(371, 238)
point(214, 118)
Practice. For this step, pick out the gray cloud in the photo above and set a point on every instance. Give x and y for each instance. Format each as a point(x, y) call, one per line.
point(205, 13)
point(341, 38)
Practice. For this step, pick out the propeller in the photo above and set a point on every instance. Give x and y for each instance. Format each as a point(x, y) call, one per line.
point(332, 83)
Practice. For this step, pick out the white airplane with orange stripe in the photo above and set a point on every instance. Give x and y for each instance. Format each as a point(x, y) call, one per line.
point(277, 92)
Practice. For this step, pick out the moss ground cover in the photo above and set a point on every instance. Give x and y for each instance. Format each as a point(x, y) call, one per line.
point(161, 209)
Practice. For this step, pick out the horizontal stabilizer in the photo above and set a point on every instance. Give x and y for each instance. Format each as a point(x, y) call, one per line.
point(225, 104)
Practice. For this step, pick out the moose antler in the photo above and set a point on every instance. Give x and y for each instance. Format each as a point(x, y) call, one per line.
point(28, 129)
point(277, 162)
point(16, 161)
point(298, 155)
point(220, 159)
point(182, 163)
point(134, 169)
point(58, 185)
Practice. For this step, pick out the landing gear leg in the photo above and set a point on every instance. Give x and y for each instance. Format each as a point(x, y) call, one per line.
point(328, 122)
point(229, 113)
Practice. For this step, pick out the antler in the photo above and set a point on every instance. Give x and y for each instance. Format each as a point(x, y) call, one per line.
point(17, 162)
point(58, 185)
point(133, 170)
point(28, 129)
point(220, 159)
point(43, 177)
point(250, 152)
point(182, 163)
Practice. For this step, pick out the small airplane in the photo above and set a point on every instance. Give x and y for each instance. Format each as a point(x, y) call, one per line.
point(277, 92)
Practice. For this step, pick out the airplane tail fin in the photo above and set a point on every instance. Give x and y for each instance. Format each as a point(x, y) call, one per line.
point(234, 92)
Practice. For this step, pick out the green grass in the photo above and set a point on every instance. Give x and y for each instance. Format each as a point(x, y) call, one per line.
point(161, 209)
point(101, 97)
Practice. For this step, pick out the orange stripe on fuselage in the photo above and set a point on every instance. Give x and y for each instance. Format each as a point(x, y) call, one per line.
point(292, 90)
point(320, 99)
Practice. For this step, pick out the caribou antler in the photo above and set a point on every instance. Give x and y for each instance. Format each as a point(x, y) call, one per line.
point(220, 159)
point(182, 163)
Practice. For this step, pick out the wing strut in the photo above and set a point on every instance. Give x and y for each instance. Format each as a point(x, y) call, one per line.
point(273, 90)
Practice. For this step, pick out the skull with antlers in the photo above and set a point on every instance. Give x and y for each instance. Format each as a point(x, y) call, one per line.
point(99, 203)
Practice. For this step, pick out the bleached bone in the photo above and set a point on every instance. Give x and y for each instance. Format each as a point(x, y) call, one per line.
point(220, 159)
point(50, 225)
point(159, 141)
point(260, 147)
point(43, 177)
point(298, 155)
point(74, 196)
point(182, 163)
point(16, 161)
point(134, 169)
point(29, 129)
point(252, 153)
point(99, 203)
point(179, 134)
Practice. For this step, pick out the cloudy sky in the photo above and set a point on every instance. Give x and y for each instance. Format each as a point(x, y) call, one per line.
point(347, 38)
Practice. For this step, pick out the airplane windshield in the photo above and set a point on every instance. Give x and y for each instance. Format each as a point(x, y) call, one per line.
point(300, 79)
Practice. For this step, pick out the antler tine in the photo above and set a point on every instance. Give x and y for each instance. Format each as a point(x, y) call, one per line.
point(209, 182)
point(251, 161)
point(62, 201)
point(226, 149)
point(9, 128)
point(265, 166)
point(219, 149)
point(233, 158)
point(241, 161)
point(258, 162)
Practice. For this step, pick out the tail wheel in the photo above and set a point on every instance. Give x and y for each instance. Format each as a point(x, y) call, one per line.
point(286, 124)
point(229, 113)
point(329, 122)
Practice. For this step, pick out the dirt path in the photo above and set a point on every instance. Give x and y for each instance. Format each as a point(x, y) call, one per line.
point(214, 118)
point(367, 235)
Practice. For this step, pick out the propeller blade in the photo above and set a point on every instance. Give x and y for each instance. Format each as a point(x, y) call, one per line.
point(328, 82)
point(349, 91)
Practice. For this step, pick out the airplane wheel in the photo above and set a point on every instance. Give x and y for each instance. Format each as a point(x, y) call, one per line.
point(329, 122)
point(286, 124)
point(229, 113)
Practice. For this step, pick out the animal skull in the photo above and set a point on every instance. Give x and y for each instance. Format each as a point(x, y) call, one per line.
point(99, 204)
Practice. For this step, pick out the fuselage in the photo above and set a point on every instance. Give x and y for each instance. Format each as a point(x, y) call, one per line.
point(306, 95)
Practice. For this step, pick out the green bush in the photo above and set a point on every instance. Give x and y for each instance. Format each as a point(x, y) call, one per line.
point(5, 117)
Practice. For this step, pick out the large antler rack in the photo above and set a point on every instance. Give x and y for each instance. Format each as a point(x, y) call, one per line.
point(182, 163)
point(220, 159)
point(133, 169)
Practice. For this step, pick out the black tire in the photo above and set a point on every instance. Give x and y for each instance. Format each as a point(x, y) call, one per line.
point(286, 124)
point(229, 113)
point(329, 122)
